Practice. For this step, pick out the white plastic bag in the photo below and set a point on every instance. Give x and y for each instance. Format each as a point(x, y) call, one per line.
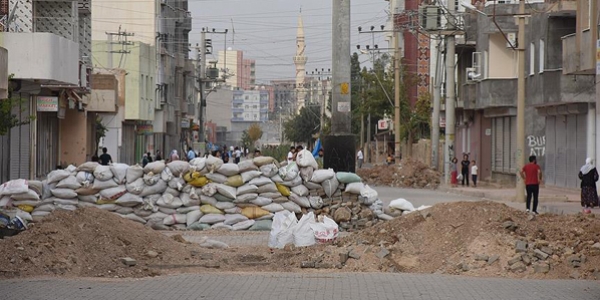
point(305, 158)
point(303, 234)
point(401, 204)
point(326, 231)
point(282, 230)
point(17, 186)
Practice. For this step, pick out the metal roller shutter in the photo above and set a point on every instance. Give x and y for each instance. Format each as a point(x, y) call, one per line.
point(46, 157)
point(549, 171)
point(571, 178)
point(19, 145)
point(497, 147)
point(561, 151)
point(128, 144)
point(581, 151)
point(4, 158)
point(512, 146)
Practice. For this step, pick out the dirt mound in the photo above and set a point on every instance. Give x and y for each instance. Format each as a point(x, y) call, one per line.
point(470, 238)
point(409, 173)
point(87, 242)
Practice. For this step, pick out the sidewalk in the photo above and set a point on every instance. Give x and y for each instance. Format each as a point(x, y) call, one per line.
point(551, 200)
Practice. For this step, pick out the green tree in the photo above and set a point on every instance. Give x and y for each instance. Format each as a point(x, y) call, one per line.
point(101, 131)
point(304, 126)
point(9, 112)
point(246, 141)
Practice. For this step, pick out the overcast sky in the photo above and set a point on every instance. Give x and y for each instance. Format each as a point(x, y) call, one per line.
point(266, 30)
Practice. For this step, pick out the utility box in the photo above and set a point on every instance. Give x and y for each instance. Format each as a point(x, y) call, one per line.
point(430, 17)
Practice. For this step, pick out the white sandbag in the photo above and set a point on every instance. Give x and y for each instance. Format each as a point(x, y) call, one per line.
point(224, 205)
point(88, 167)
point(192, 217)
point(321, 175)
point(27, 195)
point(227, 191)
point(306, 173)
point(208, 200)
point(247, 176)
point(134, 173)
point(233, 219)
point(158, 188)
point(354, 188)
point(233, 211)
point(104, 184)
point(216, 177)
point(273, 207)
point(119, 171)
point(212, 218)
point(168, 201)
point(368, 195)
point(69, 183)
point(64, 193)
point(209, 189)
point(266, 217)
point(85, 178)
point(39, 214)
point(289, 172)
point(294, 182)
point(330, 186)
point(36, 186)
point(269, 170)
point(213, 163)
point(156, 216)
point(326, 231)
point(267, 188)
point(247, 165)
point(177, 183)
point(71, 169)
point(300, 200)
point(187, 209)
point(229, 169)
point(133, 217)
point(263, 160)
point(243, 225)
point(129, 200)
point(88, 198)
point(246, 198)
point(304, 158)
point(247, 188)
point(136, 187)
point(316, 202)
point(125, 210)
point(152, 179)
point(271, 195)
point(155, 167)
point(113, 193)
point(258, 181)
point(58, 201)
point(385, 217)
point(178, 167)
point(303, 232)
point(103, 173)
point(282, 230)
point(33, 203)
point(276, 179)
point(401, 204)
point(311, 186)
point(175, 219)
point(261, 201)
point(57, 175)
point(47, 207)
point(198, 163)
point(281, 199)
point(300, 190)
point(108, 207)
point(166, 175)
point(187, 200)
point(67, 207)
point(173, 192)
point(291, 206)
point(17, 186)
point(5, 201)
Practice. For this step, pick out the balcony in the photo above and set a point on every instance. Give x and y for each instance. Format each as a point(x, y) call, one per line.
point(582, 62)
point(496, 93)
point(237, 110)
point(45, 57)
point(104, 94)
point(238, 101)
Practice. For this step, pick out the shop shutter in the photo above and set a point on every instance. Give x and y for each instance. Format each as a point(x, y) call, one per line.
point(47, 143)
point(581, 151)
point(512, 146)
point(571, 178)
point(550, 155)
point(4, 158)
point(19, 145)
point(497, 147)
point(561, 151)
point(128, 144)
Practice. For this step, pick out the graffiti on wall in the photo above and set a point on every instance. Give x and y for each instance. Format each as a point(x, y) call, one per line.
point(537, 145)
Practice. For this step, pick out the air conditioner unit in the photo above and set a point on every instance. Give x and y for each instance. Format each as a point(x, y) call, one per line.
point(430, 17)
point(474, 72)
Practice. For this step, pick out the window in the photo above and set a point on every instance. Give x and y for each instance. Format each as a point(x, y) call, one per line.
point(532, 59)
point(542, 55)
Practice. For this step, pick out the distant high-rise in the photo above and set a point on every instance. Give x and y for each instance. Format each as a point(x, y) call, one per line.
point(300, 62)
point(240, 71)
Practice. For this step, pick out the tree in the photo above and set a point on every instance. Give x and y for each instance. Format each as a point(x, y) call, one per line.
point(8, 117)
point(101, 131)
point(303, 126)
point(254, 133)
point(246, 141)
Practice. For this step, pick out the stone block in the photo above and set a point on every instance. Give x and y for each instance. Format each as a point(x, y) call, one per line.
point(481, 257)
point(518, 267)
point(344, 257)
point(128, 261)
point(382, 253)
point(541, 268)
point(307, 264)
point(492, 259)
point(514, 260)
point(520, 246)
point(354, 255)
point(540, 254)
point(547, 250)
point(152, 254)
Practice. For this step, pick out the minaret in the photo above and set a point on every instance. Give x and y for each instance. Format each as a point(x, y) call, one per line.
point(300, 62)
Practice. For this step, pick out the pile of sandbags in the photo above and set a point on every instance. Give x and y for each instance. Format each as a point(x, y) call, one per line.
point(201, 194)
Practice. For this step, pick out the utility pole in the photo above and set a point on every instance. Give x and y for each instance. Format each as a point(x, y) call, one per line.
point(397, 97)
point(450, 97)
point(122, 40)
point(338, 154)
point(521, 103)
point(201, 80)
point(435, 119)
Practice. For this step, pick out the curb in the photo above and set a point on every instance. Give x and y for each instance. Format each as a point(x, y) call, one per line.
point(491, 196)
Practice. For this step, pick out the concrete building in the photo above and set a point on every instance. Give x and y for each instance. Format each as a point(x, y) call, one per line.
point(48, 86)
point(248, 107)
point(219, 112)
point(559, 107)
point(239, 72)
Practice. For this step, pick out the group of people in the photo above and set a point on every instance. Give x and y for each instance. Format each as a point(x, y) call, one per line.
point(465, 165)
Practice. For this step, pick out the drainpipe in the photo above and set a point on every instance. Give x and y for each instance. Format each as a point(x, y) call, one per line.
point(33, 137)
point(591, 132)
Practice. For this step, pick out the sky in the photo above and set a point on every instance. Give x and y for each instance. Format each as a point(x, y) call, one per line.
point(266, 30)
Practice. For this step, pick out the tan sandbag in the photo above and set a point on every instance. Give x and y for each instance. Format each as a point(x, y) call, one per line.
point(86, 191)
point(209, 209)
point(235, 181)
point(284, 190)
point(254, 212)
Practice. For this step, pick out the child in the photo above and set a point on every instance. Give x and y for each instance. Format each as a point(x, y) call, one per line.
point(474, 170)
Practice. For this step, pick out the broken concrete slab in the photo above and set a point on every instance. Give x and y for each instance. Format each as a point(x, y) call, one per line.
point(383, 253)
point(128, 261)
point(540, 254)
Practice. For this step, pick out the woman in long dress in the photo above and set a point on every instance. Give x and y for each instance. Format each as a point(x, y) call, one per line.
point(589, 195)
point(453, 172)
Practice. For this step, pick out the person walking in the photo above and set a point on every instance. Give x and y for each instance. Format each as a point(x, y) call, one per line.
point(290, 155)
point(158, 157)
point(145, 160)
point(453, 172)
point(191, 154)
point(360, 158)
point(464, 170)
point(589, 195)
point(174, 156)
point(237, 154)
point(532, 174)
point(474, 170)
point(105, 158)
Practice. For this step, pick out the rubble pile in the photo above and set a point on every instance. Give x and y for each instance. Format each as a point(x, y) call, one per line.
point(409, 173)
point(204, 193)
point(468, 238)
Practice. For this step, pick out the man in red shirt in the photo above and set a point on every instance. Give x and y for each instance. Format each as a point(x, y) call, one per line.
point(532, 174)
